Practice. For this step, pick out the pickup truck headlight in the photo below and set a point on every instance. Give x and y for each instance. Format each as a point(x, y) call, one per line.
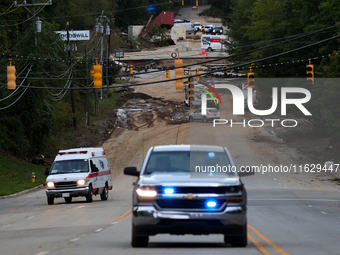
point(50, 184)
point(146, 192)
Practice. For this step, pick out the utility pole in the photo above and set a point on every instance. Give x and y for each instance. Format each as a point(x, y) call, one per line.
point(71, 84)
point(87, 91)
point(96, 107)
point(33, 5)
point(108, 32)
point(101, 31)
point(103, 26)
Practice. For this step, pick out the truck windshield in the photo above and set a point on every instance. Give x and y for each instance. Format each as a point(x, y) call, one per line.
point(70, 166)
point(185, 161)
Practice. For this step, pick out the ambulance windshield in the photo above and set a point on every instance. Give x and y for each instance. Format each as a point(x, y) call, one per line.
point(70, 166)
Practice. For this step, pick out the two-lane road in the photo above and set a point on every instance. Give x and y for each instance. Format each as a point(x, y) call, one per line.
point(285, 214)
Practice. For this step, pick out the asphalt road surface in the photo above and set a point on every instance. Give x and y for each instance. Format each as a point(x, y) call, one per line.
point(285, 214)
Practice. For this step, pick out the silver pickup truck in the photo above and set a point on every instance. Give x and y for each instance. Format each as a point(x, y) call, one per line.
point(188, 189)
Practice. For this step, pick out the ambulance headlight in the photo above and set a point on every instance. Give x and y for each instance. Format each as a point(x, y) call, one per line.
point(50, 184)
point(81, 182)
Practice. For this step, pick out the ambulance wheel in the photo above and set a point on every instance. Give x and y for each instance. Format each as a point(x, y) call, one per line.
point(68, 199)
point(50, 200)
point(209, 49)
point(105, 193)
point(138, 241)
point(89, 195)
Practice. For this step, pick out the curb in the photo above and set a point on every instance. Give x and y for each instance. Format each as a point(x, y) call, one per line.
point(23, 192)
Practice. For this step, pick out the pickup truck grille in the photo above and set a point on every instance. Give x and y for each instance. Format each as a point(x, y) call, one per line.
point(199, 204)
point(65, 185)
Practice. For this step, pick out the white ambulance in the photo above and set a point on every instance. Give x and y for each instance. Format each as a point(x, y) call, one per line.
point(214, 42)
point(79, 172)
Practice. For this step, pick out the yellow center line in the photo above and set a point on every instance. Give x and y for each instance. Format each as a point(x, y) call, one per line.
point(258, 245)
point(277, 248)
point(125, 218)
point(120, 216)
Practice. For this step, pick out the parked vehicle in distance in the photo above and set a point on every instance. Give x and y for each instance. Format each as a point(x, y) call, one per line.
point(189, 27)
point(217, 31)
point(197, 103)
point(208, 29)
point(78, 172)
point(173, 196)
point(194, 8)
point(212, 113)
point(198, 26)
point(214, 42)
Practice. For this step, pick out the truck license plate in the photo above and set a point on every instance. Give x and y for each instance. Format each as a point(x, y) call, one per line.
point(66, 194)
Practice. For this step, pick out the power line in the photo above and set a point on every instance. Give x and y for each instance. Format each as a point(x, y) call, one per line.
point(35, 14)
point(214, 71)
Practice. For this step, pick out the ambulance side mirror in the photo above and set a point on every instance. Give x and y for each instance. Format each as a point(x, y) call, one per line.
point(94, 169)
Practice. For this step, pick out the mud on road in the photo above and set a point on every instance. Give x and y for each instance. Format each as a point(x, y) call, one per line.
point(155, 115)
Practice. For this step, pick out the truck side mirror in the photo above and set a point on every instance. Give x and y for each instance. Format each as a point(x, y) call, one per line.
point(47, 172)
point(131, 170)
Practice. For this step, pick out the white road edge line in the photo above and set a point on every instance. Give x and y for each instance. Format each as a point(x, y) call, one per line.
point(323, 213)
point(99, 229)
point(42, 253)
point(75, 239)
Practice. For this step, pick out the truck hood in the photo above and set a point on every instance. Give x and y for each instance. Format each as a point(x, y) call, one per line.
point(66, 177)
point(185, 179)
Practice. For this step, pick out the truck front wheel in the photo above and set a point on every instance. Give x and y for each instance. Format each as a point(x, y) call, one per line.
point(50, 200)
point(138, 241)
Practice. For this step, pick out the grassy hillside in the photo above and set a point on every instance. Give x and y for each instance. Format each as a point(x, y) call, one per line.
point(16, 176)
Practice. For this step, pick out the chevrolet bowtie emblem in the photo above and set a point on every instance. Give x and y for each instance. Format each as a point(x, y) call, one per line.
point(190, 196)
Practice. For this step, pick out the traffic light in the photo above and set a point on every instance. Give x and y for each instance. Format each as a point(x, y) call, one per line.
point(167, 73)
point(179, 74)
point(11, 76)
point(225, 70)
point(191, 90)
point(97, 76)
point(131, 69)
point(251, 77)
point(310, 73)
point(197, 73)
